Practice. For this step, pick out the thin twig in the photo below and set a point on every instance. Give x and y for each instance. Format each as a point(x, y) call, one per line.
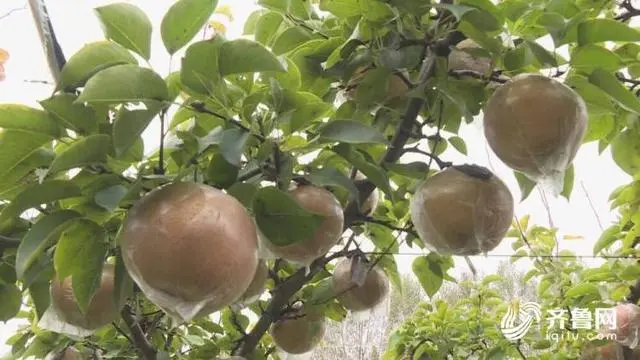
point(595, 213)
point(388, 225)
point(9, 242)
point(441, 164)
point(8, 13)
point(501, 79)
point(160, 169)
point(139, 339)
point(201, 108)
point(630, 11)
point(121, 332)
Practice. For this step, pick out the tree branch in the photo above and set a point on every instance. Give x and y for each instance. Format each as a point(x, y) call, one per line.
point(8, 13)
point(52, 50)
point(441, 164)
point(387, 225)
point(495, 77)
point(280, 298)
point(9, 242)
point(201, 108)
point(137, 336)
point(630, 11)
point(403, 131)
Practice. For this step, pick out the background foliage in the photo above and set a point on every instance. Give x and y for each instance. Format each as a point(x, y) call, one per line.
point(79, 159)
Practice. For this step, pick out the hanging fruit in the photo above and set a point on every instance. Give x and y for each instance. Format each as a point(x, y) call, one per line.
point(535, 125)
point(463, 210)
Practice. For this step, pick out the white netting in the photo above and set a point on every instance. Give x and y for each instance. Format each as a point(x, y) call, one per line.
point(455, 213)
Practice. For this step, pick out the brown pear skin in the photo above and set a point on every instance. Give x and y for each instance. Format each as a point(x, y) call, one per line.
point(461, 214)
point(463, 60)
point(535, 124)
point(368, 207)
point(299, 335)
point(396, 86)
point(193, 242)
point(319, 201)
point(358, 298)
point(102, 309)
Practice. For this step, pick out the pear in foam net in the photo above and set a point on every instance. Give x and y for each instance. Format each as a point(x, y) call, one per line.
point(300, 333)
point(462, 58)
point(322, 202)
point(190, 246)
point(359, 297)
point(463, 210)
point(535, 125)
point(370, 204)
point(102, 309)
point(396, 86)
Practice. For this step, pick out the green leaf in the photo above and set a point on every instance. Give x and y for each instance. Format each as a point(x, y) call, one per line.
point(233, 144)
point(41, 235)
point(142, 84)
point(457, 10)
point(330, 176)
point(625, 151)
point(390, 267)
point(281, 218)
point(174, 85)
point(526, 185)
point(38, 158)
point(267, 27)
point(40, 296)
point(497, 353)
point(246, 56)
point(77, 117)
point(10, 301)
point(15, 117)
point(382, 237)
point(90, 59)
point(199, 70)
point(458, 144)
point(600, 30)
point(437, 147)
point(341, 8)
point(36, 194)
point(244, 192)
point(351, 132)
point(372, 87)
point(430, 271)
point(569, 177)
point(599, 127)
point(122, 282)
point(618, 93)
point(86, 151)
point(127, 25)
point(366, 165)
point(588, 290)
point(608, 237)
point(110, 197)
point(486, 17)
point(130, 124)
point(289, 40)
point(630, 273)
point(183, 20)
point(250, 24)
point(591, 56)
point(543, 55)
point(375, 10)
point(80, 254)
point(220, 172)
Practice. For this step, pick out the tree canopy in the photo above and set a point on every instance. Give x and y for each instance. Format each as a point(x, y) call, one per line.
point(332, 95)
